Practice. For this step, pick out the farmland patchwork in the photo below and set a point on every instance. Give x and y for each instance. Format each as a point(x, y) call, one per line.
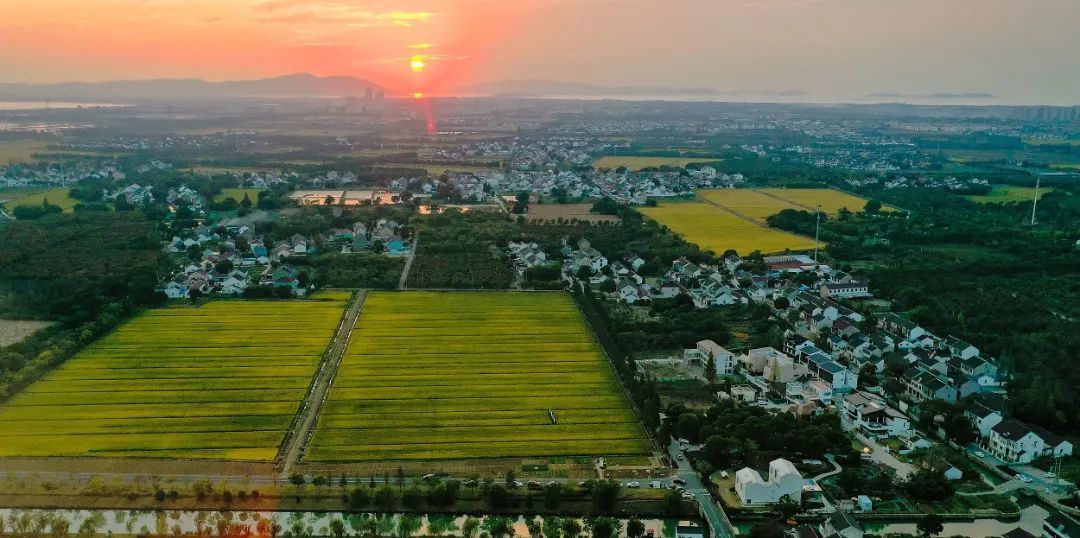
point(220, 381)
point(464, 375)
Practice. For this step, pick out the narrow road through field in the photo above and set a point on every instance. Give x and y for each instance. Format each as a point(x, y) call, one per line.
point(297, 439)
point(732, 212)
point(404, 281)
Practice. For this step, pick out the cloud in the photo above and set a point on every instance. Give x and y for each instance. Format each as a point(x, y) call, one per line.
point(336, 12)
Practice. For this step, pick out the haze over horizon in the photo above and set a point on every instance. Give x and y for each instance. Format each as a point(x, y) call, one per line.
point(1020, 52)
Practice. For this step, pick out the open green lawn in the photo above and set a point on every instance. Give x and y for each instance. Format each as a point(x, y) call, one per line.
point(59, 197)
point(1007, 193)
point(238, 194)
point(468, 375)
point(221, 381)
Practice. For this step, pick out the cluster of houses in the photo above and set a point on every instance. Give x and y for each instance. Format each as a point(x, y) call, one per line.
point(830, 344)
point(233, 258)
point(525, 256)
point(1011, 440)
point(134, 194)
point(386, 235)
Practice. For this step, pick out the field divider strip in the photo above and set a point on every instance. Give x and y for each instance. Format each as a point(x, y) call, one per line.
point(300, 431)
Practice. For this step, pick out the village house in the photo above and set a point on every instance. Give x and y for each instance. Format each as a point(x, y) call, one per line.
point(723, 359)
point(871, 415)
point(1013, 441)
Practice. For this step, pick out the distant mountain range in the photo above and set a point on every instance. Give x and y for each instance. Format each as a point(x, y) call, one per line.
point(295, 85)
point(972, 95)
point(554, 88)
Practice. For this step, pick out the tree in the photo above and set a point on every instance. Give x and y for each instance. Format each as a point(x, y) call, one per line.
point(767, 529)
point(400, 477)
point(469, 527)
point(604, 495)
point(497, 497)
point(552, 496)
point(604, 527)
point(635, 528)
point(521, 204)
point(385, 498)
point(337, 526)
point(710, 369)
point(510, 479)
point(358, 498)
point(412, 498)
point(246, 202)
point(318, 481)
point(930, 525)
point(868, 375)
point(786, 508)
point(298, 481)
point(571, 528)
point(872, 206)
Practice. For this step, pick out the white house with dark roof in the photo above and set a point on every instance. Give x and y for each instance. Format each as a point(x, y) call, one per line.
point(870, 414)
point(1013, 441)
point(982, 418)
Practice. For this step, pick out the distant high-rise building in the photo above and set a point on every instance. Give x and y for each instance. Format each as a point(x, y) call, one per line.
point(369, 92)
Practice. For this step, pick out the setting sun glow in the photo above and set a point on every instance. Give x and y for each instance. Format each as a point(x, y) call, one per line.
point(417, 64)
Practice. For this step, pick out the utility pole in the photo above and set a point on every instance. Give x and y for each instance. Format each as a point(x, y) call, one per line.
point(1035, 202)
point(817, 233)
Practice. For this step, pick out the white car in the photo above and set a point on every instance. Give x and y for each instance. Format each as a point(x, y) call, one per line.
point(634, 484)
point(1025, 479)
point(1050, 475)
point(687, 495)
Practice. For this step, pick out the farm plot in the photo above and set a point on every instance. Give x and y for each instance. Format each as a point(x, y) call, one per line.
point(218, 381)
point(748, 202)
point(566, 212)
point(14, 330)
point(829, 200)
point(714, 229)
point(638, 162)
point(468, 375)
point(58, 197)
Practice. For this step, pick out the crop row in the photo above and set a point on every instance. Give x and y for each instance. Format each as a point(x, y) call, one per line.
point(494, 434)
point(223, 380)
point(477, 418)
point(479, 379)
point(511, 449)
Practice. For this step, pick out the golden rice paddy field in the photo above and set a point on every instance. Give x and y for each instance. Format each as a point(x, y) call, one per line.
point(717, 230)
point(638, 162)
point(828, 200)
point(20, 150)
point(218, 381)
point(439, 376)
point(749, 202)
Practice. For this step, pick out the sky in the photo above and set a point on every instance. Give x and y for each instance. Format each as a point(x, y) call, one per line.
point(1023, 51)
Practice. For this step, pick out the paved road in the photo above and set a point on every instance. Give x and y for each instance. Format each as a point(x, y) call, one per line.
point(304, 426)
point(714, 515)
point(880, 455)
point(835, 470)
point(403, 282)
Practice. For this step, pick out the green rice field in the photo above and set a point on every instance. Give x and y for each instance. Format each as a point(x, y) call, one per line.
point(469, 375)
point(218, 381)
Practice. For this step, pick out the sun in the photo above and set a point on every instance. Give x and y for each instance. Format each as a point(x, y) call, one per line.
point(417, 64)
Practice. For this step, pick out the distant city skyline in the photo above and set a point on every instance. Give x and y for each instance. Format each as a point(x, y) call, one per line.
point(817, 50)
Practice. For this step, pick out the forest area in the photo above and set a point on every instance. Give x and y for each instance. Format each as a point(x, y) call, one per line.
point(980, 272)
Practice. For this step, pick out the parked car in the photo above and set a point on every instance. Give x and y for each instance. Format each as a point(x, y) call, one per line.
point(634, 484)
point(679, 482)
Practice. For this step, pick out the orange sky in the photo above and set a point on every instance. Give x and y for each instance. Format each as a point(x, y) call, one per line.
point(1017, 49)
